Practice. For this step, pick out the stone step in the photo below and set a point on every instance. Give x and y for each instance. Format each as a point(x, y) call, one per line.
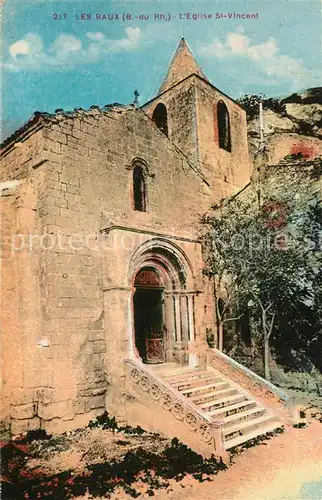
point(200, 389)
point(195, 383)
point(177, 376)
point(193, 375)
point(172, 370)
point(168, 364)
point(211, 395)
point(231, 443)
point(216, 403)
point(244, 427)
point(244, 415)
point(243, 419)
point(232, 409)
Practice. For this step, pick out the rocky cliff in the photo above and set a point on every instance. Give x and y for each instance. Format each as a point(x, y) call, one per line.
point(292, 125)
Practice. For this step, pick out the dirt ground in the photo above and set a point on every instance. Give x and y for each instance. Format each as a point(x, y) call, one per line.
point(287, 466)
point(282, 468)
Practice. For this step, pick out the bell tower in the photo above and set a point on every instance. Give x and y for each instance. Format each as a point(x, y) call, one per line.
point(204, 123)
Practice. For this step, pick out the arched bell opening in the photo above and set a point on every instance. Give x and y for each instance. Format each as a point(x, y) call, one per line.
point(160, 118)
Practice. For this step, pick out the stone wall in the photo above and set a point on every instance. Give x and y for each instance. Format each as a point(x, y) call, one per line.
point(228, 172)
point(293, 172)
point(19, 158)
point(180, 102)
point(23, 367)
point(192, 122)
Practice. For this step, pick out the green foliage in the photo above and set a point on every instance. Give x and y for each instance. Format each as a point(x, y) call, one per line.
point(309, 96)
point(266, 247)
point(106, 422)
point(251, 104)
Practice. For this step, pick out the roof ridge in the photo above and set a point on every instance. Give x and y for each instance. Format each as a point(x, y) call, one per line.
point(60, 114)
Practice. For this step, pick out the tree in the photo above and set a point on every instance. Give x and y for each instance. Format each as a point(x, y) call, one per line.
point(227, 284)
point(250, 103)
point(265, 251)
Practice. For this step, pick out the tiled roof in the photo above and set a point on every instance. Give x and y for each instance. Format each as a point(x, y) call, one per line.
point(183, 64)
point(40, 117)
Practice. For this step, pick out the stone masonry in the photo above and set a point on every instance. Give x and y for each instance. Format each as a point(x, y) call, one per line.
point(72, 244)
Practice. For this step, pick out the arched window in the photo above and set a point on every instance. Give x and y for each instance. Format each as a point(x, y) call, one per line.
point(139, 191)
point(223, 126)
point(160, 118)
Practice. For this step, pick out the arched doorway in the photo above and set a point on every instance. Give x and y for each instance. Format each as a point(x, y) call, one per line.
point(148, 315)
point(163, 302)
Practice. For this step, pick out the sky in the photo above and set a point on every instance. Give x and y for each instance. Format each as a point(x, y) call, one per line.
point(53, 57)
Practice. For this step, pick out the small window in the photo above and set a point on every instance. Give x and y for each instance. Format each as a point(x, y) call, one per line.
point(160, 118)
point(139, 191)
point(223, 126)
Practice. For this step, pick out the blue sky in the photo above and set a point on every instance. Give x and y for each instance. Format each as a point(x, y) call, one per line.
point(68, 62)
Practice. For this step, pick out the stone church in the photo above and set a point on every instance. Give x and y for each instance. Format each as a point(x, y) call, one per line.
point(104, 303)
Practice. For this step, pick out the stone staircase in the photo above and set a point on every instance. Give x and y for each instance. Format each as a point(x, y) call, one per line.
point(218, 398)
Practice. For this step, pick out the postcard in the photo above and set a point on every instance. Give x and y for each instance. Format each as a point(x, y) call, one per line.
point(160, 239)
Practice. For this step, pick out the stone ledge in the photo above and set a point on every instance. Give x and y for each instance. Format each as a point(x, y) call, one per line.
point(252, 376)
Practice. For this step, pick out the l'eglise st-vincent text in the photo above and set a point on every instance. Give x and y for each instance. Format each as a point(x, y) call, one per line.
point(217, 15)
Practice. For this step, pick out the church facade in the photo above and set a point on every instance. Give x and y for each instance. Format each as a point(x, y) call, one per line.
point(101, 249)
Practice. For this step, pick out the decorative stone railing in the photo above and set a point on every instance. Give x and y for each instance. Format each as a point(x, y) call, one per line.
point(245, 377)
point(208, 431)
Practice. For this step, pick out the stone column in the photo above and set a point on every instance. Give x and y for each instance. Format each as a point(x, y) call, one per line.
point(193, 357)
point(191, 318)
point(199, 308)
point(178, 329)
point(184, 319)
point(182, 326)
point(177, 318)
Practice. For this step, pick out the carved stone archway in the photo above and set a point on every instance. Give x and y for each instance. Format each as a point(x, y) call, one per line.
point(169, 269)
